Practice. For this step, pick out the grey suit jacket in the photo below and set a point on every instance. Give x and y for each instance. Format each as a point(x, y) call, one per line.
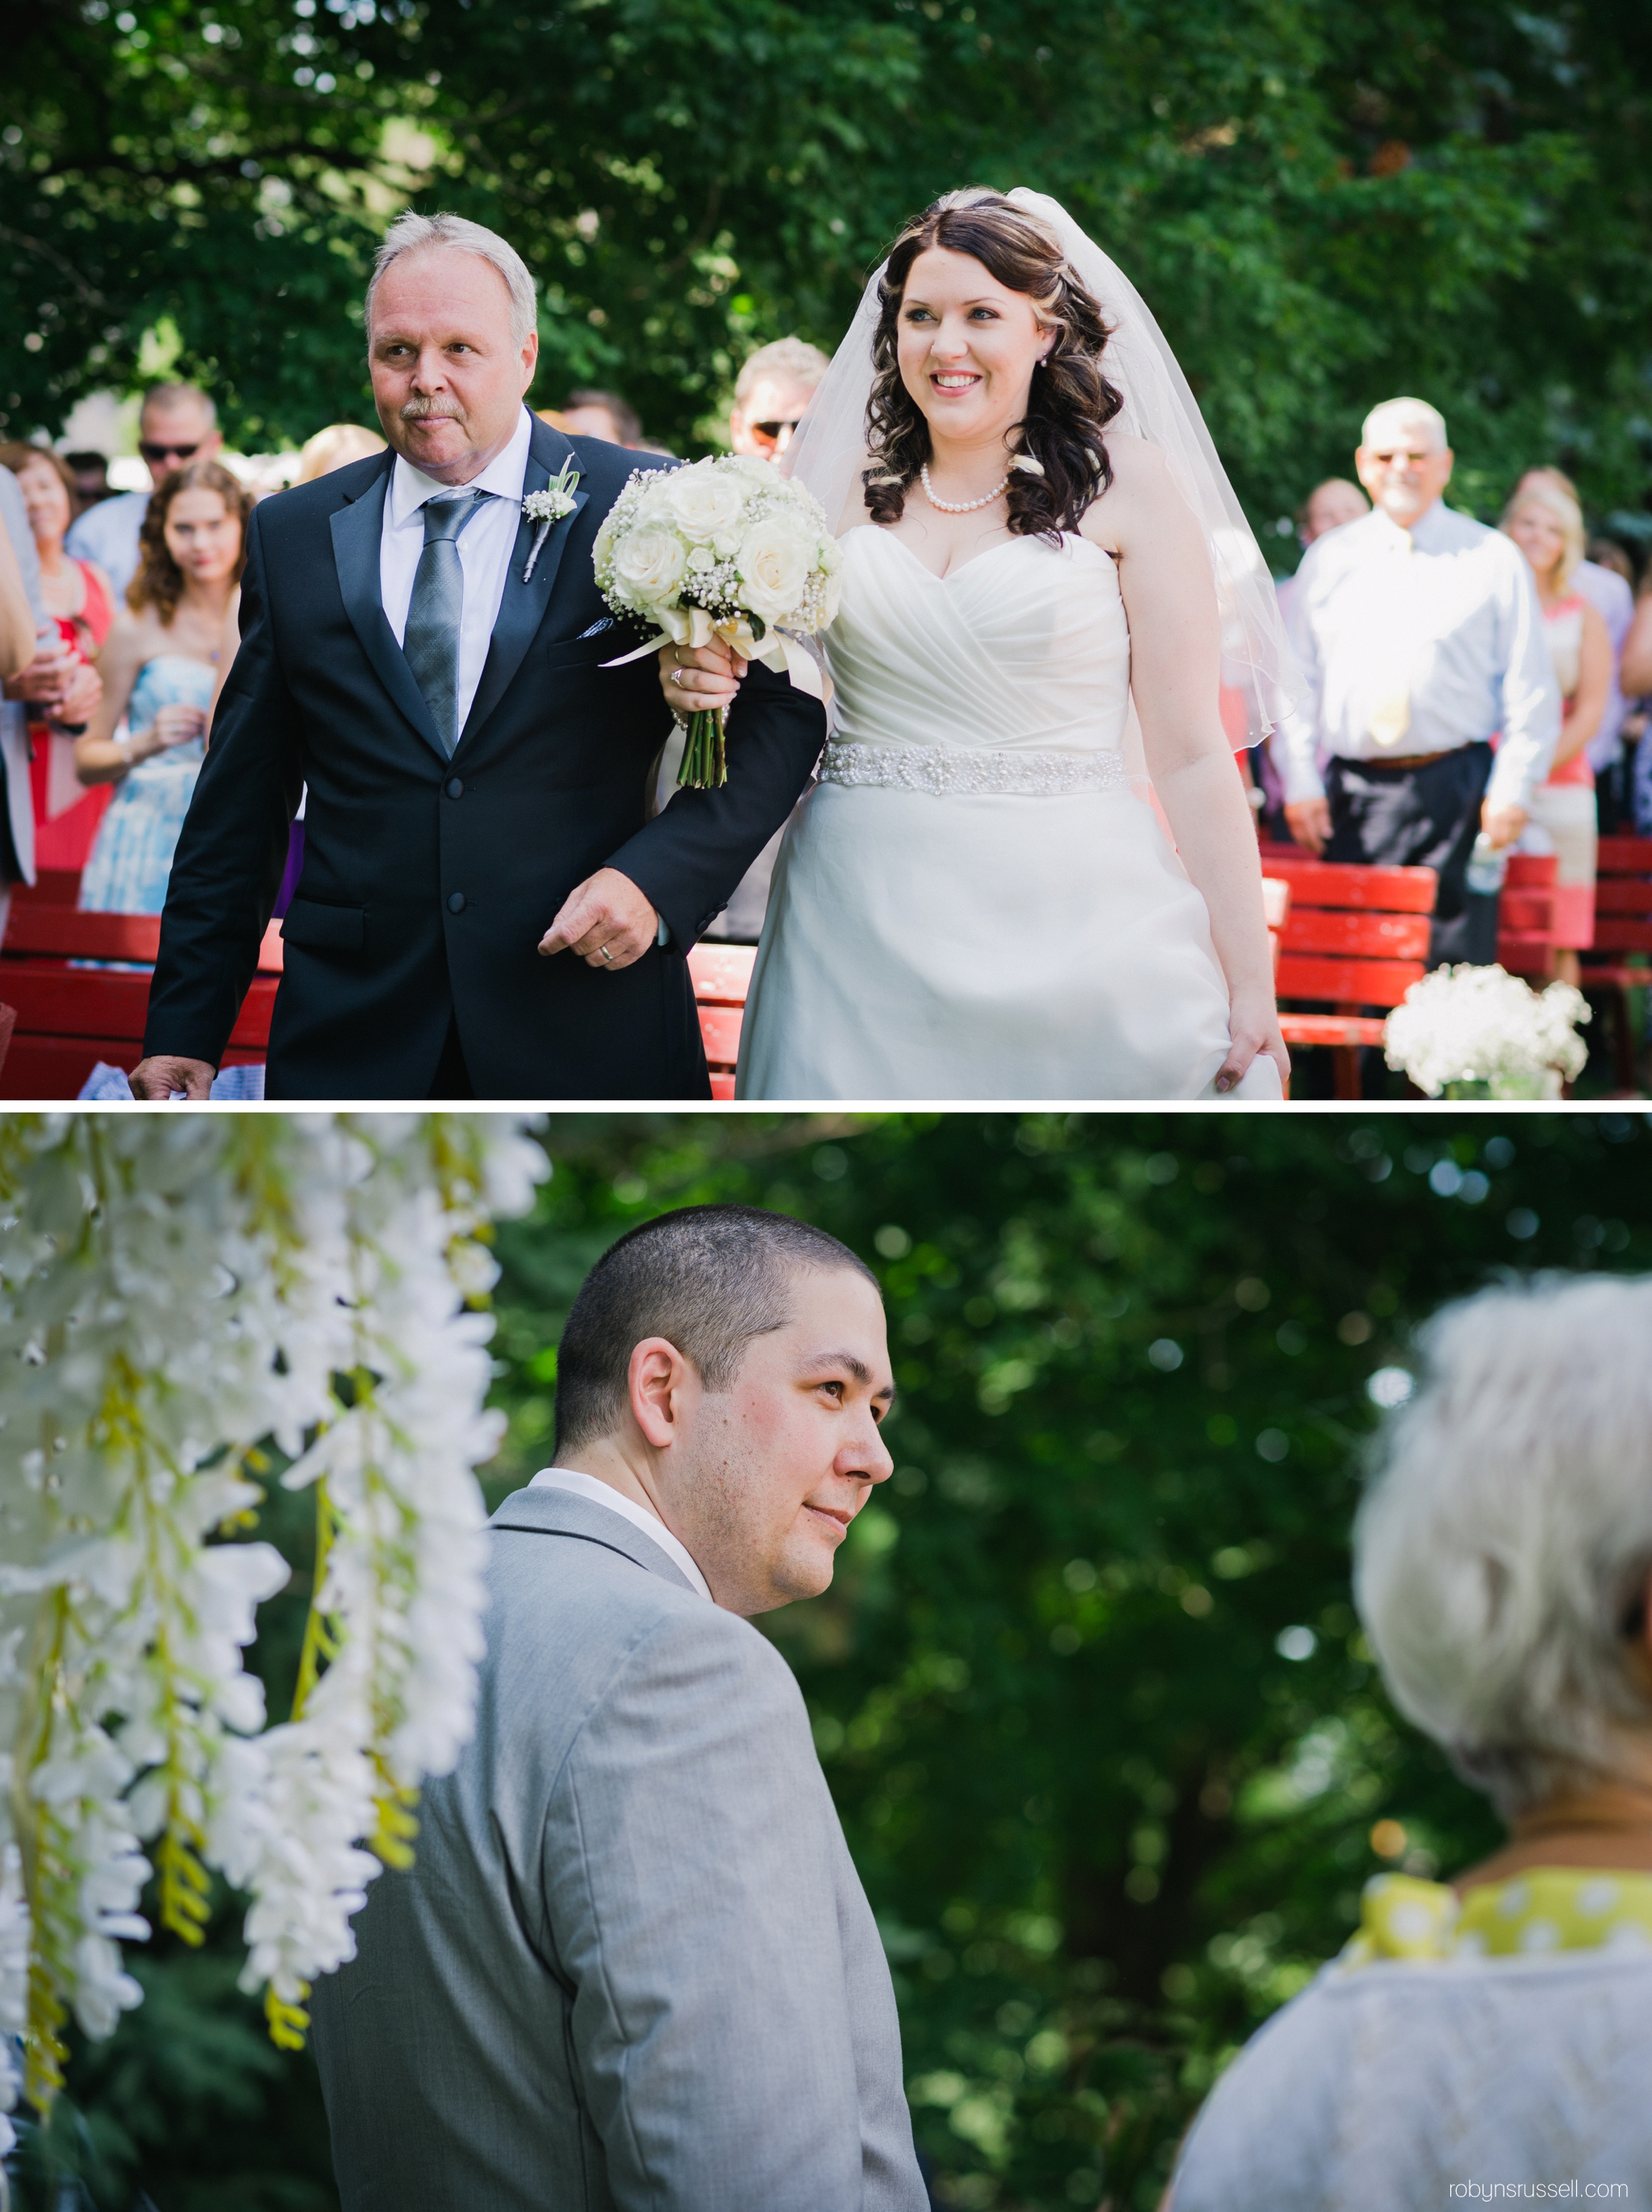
point(633, 1964)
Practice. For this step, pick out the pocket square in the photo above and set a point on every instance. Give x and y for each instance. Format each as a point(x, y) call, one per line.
point(606, 623)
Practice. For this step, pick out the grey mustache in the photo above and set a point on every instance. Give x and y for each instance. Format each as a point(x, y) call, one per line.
point(424, 411)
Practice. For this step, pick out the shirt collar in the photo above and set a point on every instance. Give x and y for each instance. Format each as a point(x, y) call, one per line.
point(603, 1493)
point(409, 487)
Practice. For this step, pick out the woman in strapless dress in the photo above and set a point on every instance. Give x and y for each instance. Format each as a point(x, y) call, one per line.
point(978, 899)
point(149, 735)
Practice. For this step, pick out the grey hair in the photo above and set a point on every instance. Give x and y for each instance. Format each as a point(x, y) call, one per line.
point(708, 1279)
point(411, 233)
point(791, 357)
point(168, 396)
point(1508, 1533)
point(1415, 410)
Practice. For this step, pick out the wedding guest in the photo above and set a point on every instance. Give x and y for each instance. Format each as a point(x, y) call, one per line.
point(161, 661)
point(79, 602)
point(91, 475)
point(770, 393)
point(335, 447)
point(1327, 508)
point(1547, 525)
point(177, 423)
point(632, 1963)
point(1496, 2025)
point(1421, 637)
point(600, 415)
point(1612, 595)
point(22, 618)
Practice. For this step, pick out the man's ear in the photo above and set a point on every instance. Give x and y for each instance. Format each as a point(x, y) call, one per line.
point(657, 1380)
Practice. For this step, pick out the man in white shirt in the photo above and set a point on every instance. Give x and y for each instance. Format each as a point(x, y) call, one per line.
point(177, 423)
point(1421, 636)
point(632, 1963)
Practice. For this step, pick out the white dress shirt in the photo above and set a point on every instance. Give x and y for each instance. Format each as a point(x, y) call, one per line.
point(107, 533)
point(484, 551)
point(1420, 641)
point(603, 1493)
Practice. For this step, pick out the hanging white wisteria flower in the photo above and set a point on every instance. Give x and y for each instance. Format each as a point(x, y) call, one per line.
point(176, 1293)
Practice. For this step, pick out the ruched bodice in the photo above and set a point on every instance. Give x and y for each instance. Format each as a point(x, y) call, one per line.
point(974, 901)
point(1024, 648)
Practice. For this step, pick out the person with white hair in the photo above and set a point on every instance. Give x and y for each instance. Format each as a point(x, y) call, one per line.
point(486, 908)
point(1495, 2027)
point(1546, 523)
point(1420, 635)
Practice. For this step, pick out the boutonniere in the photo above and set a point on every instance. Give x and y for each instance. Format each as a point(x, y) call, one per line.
point(546, 506)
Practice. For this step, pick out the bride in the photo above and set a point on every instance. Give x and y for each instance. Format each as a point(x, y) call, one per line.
point(1049, 595)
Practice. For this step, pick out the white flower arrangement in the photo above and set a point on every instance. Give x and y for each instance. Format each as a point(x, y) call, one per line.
point(1481, 1028)
point(725, 548)
point(547, 508)
point(171, 1293)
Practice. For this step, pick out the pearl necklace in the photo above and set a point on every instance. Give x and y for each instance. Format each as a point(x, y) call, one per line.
point(960, 507)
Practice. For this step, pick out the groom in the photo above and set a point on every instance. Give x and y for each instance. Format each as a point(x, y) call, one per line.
point(486, 909)
point(632, 1964)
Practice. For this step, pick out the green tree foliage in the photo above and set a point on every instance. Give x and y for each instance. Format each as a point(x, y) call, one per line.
point(1088, 1687)
point(1324, 203)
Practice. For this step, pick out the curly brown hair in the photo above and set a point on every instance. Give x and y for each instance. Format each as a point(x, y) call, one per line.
point(1071, 401)
point(159, 582)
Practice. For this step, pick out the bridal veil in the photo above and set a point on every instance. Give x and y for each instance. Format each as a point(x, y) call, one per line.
point(1257, 669)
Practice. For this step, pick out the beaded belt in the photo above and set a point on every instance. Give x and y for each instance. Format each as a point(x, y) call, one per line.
point(942, 768)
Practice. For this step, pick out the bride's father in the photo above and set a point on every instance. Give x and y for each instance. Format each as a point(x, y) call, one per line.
point(632, 1964)
point(486, 908)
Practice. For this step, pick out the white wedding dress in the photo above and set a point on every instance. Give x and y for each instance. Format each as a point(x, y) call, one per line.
point(973, 901)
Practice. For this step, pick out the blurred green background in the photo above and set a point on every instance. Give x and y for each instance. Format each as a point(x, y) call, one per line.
point(1324, 203)
point(1088, 1688)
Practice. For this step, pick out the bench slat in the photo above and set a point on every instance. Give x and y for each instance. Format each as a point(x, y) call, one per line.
point(1360, 935)
point(1348, 982)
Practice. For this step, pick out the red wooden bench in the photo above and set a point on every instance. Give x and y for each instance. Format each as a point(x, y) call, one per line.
point(1526, 922)
point(1354, 937)
point(722, 977)
point(1623, 926)
point(67, 1018)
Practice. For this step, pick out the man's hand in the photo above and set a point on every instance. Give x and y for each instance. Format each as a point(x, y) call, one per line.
point(606, 920)
point(166, 1073)
point(1502, 825)
point(697, 677)
point(1310, 821)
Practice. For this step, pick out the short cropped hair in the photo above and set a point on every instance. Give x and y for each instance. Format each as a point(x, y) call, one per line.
point(793, 359)
point(1415, 410)
point(1500, 1555)
point(708, 1279)
point(628, 423)
point(412, 233)
point(168, 398)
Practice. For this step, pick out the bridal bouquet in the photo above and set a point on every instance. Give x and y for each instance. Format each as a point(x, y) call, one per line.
point(1481, 1032)
point(727, 548)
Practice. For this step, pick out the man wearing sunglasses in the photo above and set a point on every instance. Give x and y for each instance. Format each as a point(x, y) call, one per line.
point(177, 423)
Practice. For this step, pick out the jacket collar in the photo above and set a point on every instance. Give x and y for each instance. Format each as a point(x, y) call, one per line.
point(561, 1513)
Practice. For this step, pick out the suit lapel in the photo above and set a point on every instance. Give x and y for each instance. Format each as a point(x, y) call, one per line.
point(524, 606)
point(357, 531)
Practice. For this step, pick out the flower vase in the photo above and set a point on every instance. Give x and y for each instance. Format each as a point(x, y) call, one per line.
point(1471, 1087)
point(1529, 1083)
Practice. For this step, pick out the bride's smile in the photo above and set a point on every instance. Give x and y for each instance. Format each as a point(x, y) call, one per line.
point(967, 348)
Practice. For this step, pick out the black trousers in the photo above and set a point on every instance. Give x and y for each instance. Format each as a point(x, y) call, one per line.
point(1422, 818)
point(452, 1079)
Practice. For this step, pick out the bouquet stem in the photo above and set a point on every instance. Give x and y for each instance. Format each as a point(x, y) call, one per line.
point(705, 765)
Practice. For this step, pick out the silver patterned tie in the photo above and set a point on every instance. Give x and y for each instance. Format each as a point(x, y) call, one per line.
point(431, 639)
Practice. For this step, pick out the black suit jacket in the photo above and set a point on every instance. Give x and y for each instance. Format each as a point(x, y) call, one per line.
point(427, 883)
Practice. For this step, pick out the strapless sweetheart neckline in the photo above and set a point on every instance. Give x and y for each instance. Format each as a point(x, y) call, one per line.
point(1071, 539)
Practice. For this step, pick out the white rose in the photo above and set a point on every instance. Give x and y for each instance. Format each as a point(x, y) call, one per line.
point(775, 561)
point(649, 563)
point(704, 501)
